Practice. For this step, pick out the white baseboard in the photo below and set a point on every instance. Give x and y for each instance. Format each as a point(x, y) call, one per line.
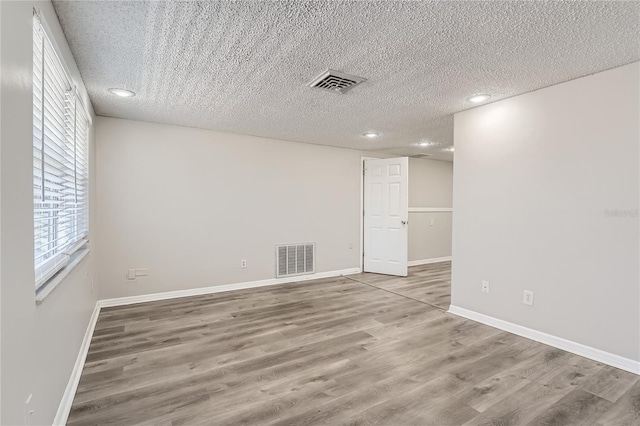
point(119, 301)
point(427, 261)
point(599, 355)
point(72, 385)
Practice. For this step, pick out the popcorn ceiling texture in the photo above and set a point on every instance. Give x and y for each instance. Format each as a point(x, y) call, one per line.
point(243, 67)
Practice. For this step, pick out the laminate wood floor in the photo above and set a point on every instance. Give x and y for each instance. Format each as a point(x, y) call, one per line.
point(333, 352)
point(426, 283)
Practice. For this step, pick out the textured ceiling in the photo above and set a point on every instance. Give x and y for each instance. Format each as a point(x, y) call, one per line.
point(243, 66)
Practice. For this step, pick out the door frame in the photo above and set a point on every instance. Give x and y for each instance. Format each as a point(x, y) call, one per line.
point(362, 160)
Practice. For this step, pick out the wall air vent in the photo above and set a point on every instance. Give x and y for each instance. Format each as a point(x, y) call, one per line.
point(295, 259)
point(336, 81)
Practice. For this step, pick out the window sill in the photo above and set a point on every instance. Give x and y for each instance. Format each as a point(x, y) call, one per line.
point(57, 279)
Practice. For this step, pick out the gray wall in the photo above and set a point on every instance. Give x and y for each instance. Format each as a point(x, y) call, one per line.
point(427, 241)
point(189, 204)
point(430, 185)
point(534, 177)
point(39, 343)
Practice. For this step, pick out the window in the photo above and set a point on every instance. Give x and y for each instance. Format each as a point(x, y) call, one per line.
point(60, 161)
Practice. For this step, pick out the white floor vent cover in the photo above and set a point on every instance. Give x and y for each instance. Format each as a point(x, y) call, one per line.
point(295, 259)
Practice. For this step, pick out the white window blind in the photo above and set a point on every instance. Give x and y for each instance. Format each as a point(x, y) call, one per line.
point(60, 161)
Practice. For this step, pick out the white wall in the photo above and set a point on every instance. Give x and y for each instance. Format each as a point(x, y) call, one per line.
point(534, 175)
point(189, 204)
point(39, 343)
point(430, 185)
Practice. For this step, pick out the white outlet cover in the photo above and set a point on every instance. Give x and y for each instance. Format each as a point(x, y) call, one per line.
point(28, 409)
point(485, 286)
point(527, 298)
point(143, 272)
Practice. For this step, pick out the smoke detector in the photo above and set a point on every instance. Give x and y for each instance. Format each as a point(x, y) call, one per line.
point(336, 81)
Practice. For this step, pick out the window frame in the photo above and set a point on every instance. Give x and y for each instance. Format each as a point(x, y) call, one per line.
point(62, 242)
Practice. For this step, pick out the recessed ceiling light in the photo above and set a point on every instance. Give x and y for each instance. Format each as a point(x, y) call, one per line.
point(450, 149)
point(371, 135)
point(424, 143)
point(476, 99)
point(123, 93)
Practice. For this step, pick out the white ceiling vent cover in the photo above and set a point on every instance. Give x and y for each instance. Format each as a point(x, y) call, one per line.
point(295, 259)
point(336, 81)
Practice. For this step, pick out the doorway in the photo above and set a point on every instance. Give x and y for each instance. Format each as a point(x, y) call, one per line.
point(386, 216)
point(428, 230)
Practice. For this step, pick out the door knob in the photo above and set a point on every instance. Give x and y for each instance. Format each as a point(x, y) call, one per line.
point(404, 222)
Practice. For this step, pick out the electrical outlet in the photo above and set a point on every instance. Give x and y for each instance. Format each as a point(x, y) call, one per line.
point(485, 286)
point(243, 263)
point(528, 298)
point(143, 272)
point(29, 411)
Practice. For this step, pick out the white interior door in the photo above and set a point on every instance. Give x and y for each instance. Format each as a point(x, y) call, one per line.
point(386, 216)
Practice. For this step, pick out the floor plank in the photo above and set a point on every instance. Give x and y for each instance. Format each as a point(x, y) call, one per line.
point(429, 283)
point(374, 350)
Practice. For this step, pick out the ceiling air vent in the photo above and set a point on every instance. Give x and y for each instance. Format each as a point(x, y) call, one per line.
point(336, 81)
